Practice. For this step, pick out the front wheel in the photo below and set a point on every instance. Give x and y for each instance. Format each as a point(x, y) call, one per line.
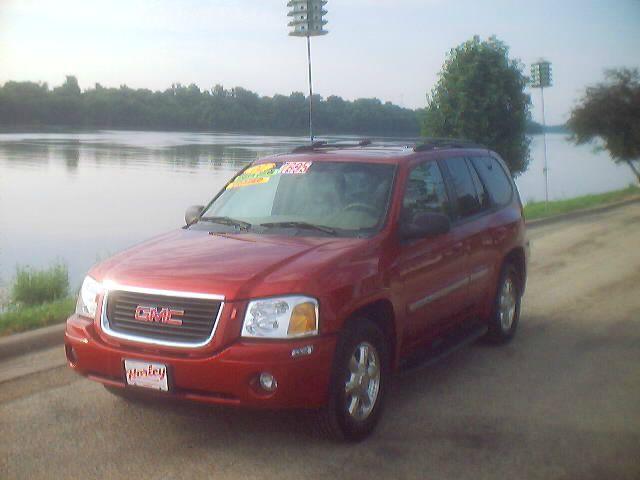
point(358, 385)
point(506, 309)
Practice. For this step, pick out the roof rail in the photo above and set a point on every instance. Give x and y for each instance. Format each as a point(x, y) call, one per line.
point(323, 144)
point(437, 143)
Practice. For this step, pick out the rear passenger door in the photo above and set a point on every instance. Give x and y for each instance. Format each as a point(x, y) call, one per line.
point(472, 223)
point(501, 224)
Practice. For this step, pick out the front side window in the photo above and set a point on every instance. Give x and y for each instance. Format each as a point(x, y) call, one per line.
point(425, 192)
point(348, 199)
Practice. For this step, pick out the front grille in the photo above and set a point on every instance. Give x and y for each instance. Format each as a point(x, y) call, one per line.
point(198, 320)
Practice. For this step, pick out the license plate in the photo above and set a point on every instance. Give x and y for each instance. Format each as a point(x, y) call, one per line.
point(146, 374)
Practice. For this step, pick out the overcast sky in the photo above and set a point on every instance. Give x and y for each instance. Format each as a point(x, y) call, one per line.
point(390, 49)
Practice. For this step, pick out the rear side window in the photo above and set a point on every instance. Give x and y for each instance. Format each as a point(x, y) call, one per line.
point(483, 196)
point(494, 178)
point(466, 195)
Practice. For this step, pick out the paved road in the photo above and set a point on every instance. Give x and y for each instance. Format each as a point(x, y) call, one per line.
point(560, 402)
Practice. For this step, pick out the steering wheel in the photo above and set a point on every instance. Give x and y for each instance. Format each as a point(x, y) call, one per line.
point(361, 206)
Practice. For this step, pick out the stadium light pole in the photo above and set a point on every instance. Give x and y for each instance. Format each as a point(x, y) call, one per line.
point(308, 21)
point(541, 78)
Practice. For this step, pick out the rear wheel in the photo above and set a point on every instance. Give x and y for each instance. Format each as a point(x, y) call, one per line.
point(506, 309)
point(358, 385)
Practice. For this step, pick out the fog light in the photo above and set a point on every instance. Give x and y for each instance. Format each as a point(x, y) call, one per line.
point(268, 382)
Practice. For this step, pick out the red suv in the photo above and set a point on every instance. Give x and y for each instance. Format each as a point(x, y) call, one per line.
point(309, 279)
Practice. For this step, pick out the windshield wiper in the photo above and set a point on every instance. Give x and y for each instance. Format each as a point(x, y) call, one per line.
point(227, 221)
point(305, 225)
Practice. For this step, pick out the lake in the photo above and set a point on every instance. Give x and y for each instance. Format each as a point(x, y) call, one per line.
point(79, 197)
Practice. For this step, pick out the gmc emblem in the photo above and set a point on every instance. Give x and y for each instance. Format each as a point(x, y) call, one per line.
point(165, 315)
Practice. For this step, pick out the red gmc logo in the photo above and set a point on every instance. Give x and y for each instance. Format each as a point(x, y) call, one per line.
point(165, 315)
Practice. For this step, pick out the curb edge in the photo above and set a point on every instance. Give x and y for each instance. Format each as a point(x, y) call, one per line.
point(33, 340)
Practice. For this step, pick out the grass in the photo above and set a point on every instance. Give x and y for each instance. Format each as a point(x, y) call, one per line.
point(21, 319)
point(536, 210)
point(37, 298)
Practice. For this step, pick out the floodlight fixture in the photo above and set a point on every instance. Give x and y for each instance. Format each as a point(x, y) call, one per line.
point(541, 78)
point(307, 20)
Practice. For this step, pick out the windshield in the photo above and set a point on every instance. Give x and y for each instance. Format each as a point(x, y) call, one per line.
point(347, 199)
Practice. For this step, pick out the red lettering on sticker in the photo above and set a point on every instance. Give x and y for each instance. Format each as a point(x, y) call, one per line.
point(150, 371)
point(295, 168)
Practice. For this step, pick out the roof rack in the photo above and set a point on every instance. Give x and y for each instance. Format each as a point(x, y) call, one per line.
point(323, 144)
point(438, 143)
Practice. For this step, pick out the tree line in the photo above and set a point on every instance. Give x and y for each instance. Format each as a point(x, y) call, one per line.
point(31, 104)
point(190, 108)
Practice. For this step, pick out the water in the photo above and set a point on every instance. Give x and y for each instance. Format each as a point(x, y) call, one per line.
point(573, 171)
point(80, 197)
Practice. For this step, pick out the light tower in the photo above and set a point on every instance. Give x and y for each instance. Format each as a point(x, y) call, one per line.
point(540, 78)
point(307, 20)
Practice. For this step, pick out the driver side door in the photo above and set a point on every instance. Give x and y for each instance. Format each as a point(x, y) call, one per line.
point(433, 270)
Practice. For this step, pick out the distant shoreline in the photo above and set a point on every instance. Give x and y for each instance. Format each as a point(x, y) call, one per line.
point(18, 129)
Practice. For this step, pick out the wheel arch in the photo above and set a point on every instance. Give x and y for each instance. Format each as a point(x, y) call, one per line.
point(381, 313)
point(517, 258)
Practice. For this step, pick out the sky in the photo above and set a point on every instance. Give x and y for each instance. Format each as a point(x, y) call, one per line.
point(389, 49)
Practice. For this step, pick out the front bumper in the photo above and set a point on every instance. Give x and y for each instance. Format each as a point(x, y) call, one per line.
point(228, 376)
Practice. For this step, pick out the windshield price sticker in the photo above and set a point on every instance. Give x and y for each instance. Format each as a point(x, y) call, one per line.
point(146, 375)
point(255, 175)
point(295, 168)
point(247, 181)
point(257, 169)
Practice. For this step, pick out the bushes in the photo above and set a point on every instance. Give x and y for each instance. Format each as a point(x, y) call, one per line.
point(35, 287)
point(37, 298)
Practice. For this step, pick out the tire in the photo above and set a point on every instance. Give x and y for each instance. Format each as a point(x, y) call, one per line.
point(505, 316)
point(358, 384)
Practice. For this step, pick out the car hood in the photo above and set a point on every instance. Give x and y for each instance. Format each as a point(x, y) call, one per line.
point(237, 266)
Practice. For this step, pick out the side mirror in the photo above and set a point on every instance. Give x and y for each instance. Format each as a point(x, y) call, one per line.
point(193, 214)
point(425, 225)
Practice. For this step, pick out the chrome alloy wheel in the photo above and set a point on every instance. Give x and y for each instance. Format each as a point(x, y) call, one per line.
point(507, 304)
point(363, 383)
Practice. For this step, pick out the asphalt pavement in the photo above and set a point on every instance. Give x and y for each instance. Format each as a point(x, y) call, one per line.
point(562, 401)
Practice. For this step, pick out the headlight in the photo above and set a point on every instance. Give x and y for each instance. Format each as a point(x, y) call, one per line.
point(283, 317)
point(88, 298)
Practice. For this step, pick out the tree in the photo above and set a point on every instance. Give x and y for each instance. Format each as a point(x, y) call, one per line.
point(611, 111)
point(70, 87)
point(480, 97)
point(65, 106)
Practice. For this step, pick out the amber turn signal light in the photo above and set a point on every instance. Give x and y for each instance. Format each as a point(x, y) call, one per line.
point(303, 319)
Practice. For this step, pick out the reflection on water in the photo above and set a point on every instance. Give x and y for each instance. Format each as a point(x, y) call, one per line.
point(80, 197)
point(71, 154)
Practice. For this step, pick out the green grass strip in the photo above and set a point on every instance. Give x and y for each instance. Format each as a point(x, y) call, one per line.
point(21, 319)
point(535, 210)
